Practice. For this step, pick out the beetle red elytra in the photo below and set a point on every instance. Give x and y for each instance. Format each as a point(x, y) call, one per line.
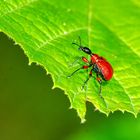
point(98, 64)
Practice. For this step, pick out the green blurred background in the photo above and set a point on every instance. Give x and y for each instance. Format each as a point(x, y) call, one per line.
point(31, 110)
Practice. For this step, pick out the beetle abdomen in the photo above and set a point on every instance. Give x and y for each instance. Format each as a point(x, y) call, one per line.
point(106, 69)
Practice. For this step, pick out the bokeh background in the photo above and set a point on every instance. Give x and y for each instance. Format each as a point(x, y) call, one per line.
point(31, 110)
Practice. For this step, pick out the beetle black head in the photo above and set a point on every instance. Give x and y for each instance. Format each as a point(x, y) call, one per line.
point(84, 49)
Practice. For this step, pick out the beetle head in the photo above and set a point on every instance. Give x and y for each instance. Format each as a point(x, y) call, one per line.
point(84, 49)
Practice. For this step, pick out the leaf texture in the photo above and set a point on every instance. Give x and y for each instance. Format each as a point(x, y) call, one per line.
point(45, 30)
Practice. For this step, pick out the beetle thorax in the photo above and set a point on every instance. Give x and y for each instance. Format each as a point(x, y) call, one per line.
point(94, 58)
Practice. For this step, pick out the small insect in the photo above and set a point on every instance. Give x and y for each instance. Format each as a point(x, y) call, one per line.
point(98, 64)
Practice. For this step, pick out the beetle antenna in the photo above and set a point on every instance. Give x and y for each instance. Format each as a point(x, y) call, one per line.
point(80, 46)
point(80, 40)
point(76, 44)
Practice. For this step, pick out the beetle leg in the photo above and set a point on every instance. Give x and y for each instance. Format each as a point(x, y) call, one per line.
point(79, 42)
point(100, 89)
point(83, 59)
point(83, 67)
point(96, 69)
point(75, 61)
point(90, 75)
point(100, 82)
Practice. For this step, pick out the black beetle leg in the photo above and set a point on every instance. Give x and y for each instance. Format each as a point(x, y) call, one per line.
point(83, 67)
point(90, 75)
point(100, 83)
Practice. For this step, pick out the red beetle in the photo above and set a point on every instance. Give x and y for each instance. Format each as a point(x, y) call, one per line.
point(98, 64)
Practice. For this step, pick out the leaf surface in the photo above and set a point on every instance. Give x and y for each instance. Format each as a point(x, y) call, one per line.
point(45, 30)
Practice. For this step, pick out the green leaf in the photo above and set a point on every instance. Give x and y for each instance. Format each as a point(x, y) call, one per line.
point(45, 30)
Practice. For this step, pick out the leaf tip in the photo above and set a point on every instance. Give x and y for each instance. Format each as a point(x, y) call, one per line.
point(55, 86)
point(135, 115)
point(83, 120)
point(70, 107)
point(30, 62)
point(107, 114)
